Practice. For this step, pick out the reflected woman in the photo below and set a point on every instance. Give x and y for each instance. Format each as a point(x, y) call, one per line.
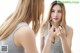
point(55, 34)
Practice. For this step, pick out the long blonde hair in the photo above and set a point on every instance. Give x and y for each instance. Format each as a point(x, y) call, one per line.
point(26, 9)
point(63, 21)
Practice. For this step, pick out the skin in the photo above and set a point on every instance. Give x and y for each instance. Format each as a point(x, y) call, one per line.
point(25, 37)
point(56, 14)
point(65, 36)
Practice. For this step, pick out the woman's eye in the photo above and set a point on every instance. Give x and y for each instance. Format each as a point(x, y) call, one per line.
point(52, 11)
point(59, 11)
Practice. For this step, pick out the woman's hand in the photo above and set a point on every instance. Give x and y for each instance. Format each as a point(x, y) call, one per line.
point(61, 32)
point(55, 32)
point(51, 34)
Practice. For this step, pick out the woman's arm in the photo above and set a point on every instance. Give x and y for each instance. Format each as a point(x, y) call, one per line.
point(41, 43)
point(26, 38)
point(67, 40)
point(45, 46)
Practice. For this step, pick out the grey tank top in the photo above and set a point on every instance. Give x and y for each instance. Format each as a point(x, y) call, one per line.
point(7, 45)
point(55, 47)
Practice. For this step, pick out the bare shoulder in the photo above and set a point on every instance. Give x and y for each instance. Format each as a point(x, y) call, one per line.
point(70, 30)
point(25, 37)
point(24, 31)
point(23, 34)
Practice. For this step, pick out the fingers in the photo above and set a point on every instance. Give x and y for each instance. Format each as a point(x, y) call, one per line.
point(58, 32)
point(52, 32)
point(62, 31)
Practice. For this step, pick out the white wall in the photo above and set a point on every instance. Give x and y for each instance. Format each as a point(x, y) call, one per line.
point(6, 8)
point(73, 20)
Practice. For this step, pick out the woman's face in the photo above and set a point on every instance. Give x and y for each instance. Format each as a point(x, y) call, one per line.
point(56, 14)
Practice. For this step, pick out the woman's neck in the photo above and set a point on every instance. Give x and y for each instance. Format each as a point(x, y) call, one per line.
point(55, 25)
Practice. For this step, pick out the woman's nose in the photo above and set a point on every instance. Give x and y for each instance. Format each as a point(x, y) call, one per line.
point(55, 14)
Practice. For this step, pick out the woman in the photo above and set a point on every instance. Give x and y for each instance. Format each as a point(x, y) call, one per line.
point(15, 34)
point(56, 35)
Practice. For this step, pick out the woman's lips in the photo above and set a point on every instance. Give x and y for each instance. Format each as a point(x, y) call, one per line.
point(55, 18)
